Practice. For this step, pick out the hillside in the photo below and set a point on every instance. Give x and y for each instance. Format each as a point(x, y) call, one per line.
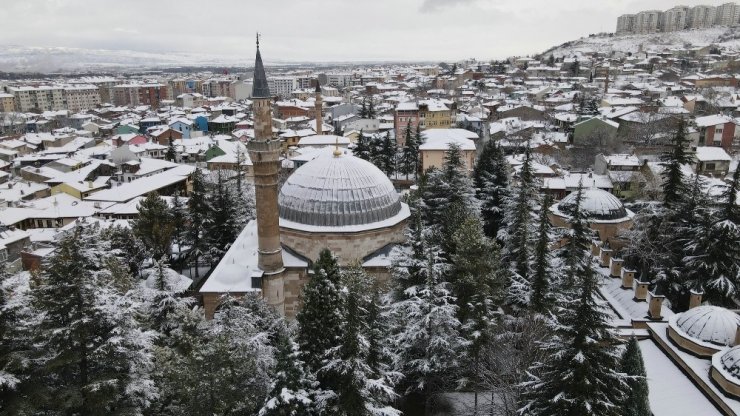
point(726, 37)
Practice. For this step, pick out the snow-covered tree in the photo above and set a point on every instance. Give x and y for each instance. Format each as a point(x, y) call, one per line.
point(636, 402)
point(543, 275)
point(321, 317)
point(491, 179)
point(293, 391)
point(674, 183)
point(199, 211)
point(91, 353)
point(15, 341)
point(427, 331)
point(580, 374)
point(154, 225)
point(362, 149)
point(222, 226)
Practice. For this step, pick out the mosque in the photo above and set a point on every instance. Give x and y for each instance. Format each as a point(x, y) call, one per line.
point(336, 201)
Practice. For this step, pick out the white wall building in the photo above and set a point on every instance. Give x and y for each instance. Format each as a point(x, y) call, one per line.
point(282, 86)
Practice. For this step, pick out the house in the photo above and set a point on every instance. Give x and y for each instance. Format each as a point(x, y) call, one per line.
point(406, 116)
point(624, 172)
point(717, 130)
point(128, 138)
point(183, 125)
point(712, 161)
point(596, 127)
point(438, 141)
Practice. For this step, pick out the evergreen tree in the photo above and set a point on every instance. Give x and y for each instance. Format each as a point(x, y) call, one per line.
point(427, 332)
point(388, 155)
point(360, 390)
point(126, 247)
point(363, 110)
point(371, 109)
point(542, 274)
point(636, 402)
point(154, 226)
point(198, 211)
point(674, 188)
point(15, 343)
point(179, 218)
point(362, 150)
point(491, 179)
point(91, 355)
point(320, 320)
point(575, 69)
point(729, 196)
point(580, 373)
point(418, 141)
point(408, 156)
point(551, 61)
point(222, 226)
point(519, 234)
point(293, 391)
point(171, 154)
point(576, 262)
point(165, 309)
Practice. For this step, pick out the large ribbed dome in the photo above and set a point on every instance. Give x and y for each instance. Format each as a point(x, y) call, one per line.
point(595, 203)
point(709, 324)
point(338, 191)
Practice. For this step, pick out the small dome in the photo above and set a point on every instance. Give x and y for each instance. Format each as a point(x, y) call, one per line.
point(730, 361)
point(596, 203)
point(338, 191)
point(709, 324)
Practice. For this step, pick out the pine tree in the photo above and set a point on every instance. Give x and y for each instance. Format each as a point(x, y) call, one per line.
point(388, 155)
point(580, 373)
point(520, 232)
point(371, 109)
point(575, 69)
point(91, 354)
point(154, 225)
point(179, 221)
point(165, 309)
point(427, 331)
point(491, 179)
point(363, 110)
point(362, 150)
point(126, 247)
point(636, 402)
point(576, 263)
point(320, 320)
point(360, 391)
point(674, 187)
point(542, 274)
point(729, 196)
point(408, 156)
point(293, 391)
point(222, 226)
point(199, 211)
point(15, 342)
point(171, 154)
point(551, 61)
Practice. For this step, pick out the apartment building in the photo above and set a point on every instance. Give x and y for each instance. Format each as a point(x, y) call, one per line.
point(648, 21)
point(701, 17)
point(81, 97)
point(626, 24)
point(675, 19)
point(726, 14)
point(7, 103)
point(282, 86)
point(139, 94)
point(41, 98)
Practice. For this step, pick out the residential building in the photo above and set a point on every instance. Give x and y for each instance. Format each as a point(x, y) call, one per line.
point(406, 115)
point(434, 114)
point(648, 21)
point(81, 97)
point(716, 130)
point(712, 161)
point(282, 86)
point(42, 98)
point(438, 141)
point(726, 14)
point(675, 18)
point(626, 24)
point(7, 103)
point(701, 17)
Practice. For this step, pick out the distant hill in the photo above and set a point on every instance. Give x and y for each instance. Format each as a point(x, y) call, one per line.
point(607, 43)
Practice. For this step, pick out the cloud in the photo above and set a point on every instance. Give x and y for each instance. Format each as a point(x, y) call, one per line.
point(434, 5)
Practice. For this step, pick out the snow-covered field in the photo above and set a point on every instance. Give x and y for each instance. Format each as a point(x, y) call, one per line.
point(721, 36)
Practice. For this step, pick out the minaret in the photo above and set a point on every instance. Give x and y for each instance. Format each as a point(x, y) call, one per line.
point(265, 155)
point(319, 106)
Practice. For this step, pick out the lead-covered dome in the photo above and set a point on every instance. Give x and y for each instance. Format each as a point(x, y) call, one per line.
point(730, 361)
point(597, 204)
point(336, 191)
point(709, 324)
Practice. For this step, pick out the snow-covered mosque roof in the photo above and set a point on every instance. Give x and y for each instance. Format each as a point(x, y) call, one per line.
point(598, 204)
point(729, 363)
point(339, 191)
point(708, 323)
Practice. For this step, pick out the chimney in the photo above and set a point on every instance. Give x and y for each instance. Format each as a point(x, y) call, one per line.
point(628, 278)
point(695, 296)
point(615, 267)
point(605, 254)
point(595, 247)
point(641, 289)
point(655, 303)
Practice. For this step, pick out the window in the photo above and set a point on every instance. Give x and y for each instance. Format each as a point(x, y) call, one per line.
point(709, 166)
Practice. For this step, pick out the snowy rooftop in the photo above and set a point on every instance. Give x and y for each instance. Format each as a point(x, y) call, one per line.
point(441, 139)
point(711, 153)
point(596, 203)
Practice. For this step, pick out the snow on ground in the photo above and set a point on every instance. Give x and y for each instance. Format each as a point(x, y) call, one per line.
point(654, 41)
point(671, 392)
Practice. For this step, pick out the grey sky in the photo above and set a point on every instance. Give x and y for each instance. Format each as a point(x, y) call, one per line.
point(316, 30)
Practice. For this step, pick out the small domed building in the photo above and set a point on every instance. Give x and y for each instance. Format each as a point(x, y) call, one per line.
point(725, 370)
point(606, 213)
point(704, 330)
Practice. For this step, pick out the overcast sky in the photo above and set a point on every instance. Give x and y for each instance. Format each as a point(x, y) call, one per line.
point(317, 30)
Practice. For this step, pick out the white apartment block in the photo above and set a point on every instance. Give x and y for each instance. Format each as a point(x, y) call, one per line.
point(339, 79)
point(675, 19)
point(726, 14)
point(42, 98)
point(625, 24)
point(701, 17)
point(648, 21)
point(282, 86)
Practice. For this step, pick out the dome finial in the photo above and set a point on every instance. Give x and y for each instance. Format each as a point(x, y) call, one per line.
point(258, 40)
point(337, 152)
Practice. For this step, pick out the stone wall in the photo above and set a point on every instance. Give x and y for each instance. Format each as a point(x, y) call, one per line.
point(349, 247)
